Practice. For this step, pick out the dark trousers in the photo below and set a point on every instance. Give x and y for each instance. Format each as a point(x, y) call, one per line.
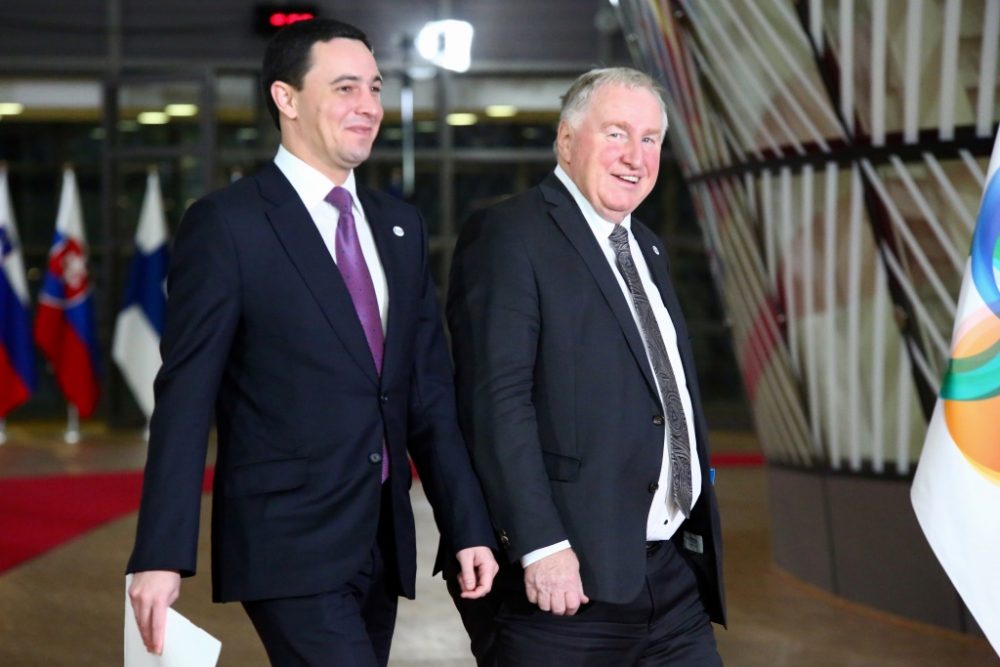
point(478, 617)
point(350, 626)
point(666, 625)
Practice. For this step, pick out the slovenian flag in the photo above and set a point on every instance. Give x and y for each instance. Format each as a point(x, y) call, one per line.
point(17, 356)
point(956, 489)
point(64, 326)
point(136, 345)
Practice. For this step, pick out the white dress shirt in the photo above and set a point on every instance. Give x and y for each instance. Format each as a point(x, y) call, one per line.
point(664, 517)
point(312, 188)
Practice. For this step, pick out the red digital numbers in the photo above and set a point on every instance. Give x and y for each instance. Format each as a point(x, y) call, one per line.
point(281, 19)
point(270, 17)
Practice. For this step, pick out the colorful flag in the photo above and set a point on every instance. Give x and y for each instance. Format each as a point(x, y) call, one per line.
point(956, 490)
point(64, 325)
point(17, 356)
point(136, 345)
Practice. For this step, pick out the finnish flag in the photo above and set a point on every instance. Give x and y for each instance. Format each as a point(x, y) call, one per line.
point(136, 345)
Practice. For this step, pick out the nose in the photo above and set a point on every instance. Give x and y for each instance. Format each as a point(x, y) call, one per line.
point(632, 153)
point(370, 104)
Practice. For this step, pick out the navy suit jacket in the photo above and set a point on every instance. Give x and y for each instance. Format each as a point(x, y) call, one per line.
point(557, 399)
point(262, 335)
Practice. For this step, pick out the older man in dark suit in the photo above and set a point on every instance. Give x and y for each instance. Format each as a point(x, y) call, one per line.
point(579, 400)
point(302, 315)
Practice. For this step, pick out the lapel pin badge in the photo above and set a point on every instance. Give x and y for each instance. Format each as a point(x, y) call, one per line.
point(656, 250)
point(397, 230)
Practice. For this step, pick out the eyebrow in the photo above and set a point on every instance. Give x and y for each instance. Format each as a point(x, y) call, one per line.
point(628, 127)
point(355, 78)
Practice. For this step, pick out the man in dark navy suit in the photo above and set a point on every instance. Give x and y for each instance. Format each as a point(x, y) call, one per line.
point(302, 316)
point(579, 400)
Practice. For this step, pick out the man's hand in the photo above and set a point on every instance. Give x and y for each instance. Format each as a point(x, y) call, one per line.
point(151, 593)
point(553, 583)
point(478, 569)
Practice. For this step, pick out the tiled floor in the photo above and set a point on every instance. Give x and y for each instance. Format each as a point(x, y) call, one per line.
point(65, 608)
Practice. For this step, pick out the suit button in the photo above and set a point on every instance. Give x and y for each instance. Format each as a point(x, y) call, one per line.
point(504, 540)
point(383, 398)
point(375, 457)
point(653, 486)
point(658, 420)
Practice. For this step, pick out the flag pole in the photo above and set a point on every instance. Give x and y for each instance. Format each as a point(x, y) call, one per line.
point(72, 434)
point(3, 431)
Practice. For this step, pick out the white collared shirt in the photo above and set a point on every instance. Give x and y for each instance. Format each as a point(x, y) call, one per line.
point(664, 517)
point(312, 188)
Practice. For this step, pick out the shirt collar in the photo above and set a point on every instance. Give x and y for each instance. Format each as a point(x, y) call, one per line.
point(311, 185)
point(600, 226)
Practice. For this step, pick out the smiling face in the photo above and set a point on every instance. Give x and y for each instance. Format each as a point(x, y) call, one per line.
point(332, 121)
point(611, 150)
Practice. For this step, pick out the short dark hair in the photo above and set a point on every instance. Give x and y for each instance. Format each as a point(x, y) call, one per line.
point(287, 57)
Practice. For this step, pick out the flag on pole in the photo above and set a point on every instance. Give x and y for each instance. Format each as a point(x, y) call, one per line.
point(17, 356)
point(956, 489)
point(136, 344)
point(64, 325)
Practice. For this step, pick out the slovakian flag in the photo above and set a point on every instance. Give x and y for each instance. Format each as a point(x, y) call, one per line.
point(64, 325)
point(17, 355)
point(136, 344)
point(956, 489)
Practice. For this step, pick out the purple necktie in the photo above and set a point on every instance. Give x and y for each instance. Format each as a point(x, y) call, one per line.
point(354, 269)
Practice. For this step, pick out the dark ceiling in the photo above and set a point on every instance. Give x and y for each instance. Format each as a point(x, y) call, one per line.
point(520, 35)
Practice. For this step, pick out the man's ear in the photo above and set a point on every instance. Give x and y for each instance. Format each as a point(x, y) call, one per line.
point(564, 141)
point(284, 98)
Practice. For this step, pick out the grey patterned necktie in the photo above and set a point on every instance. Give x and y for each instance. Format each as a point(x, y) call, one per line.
point(680, 448)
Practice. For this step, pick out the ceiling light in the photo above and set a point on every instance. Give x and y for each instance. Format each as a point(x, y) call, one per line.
point(457, 119)
point(10, 108)
point(501, 111)
point(153, 118)
point(447, 44)
point(181, 109)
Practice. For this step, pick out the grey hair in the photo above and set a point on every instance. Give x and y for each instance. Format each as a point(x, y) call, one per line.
point(578, 97)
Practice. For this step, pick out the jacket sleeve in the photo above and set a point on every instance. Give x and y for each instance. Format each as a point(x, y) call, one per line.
point(203, 307)
point(434, 440)
point(494, 312)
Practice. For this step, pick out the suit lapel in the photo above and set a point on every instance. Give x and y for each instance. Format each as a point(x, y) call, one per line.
point(297, 232)
point(390, 252)
point(658, 268)
point(570, 220)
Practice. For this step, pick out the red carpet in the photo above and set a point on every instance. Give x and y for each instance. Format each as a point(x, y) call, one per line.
point(737, 459)
point(40, 513)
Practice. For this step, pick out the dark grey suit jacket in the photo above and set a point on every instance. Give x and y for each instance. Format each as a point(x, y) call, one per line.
point(556, 397)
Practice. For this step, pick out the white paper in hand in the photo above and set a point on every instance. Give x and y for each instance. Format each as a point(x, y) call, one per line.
point(185, 645)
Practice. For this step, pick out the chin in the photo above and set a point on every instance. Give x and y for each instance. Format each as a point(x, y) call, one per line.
point(619, 210)
point(357, 157)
